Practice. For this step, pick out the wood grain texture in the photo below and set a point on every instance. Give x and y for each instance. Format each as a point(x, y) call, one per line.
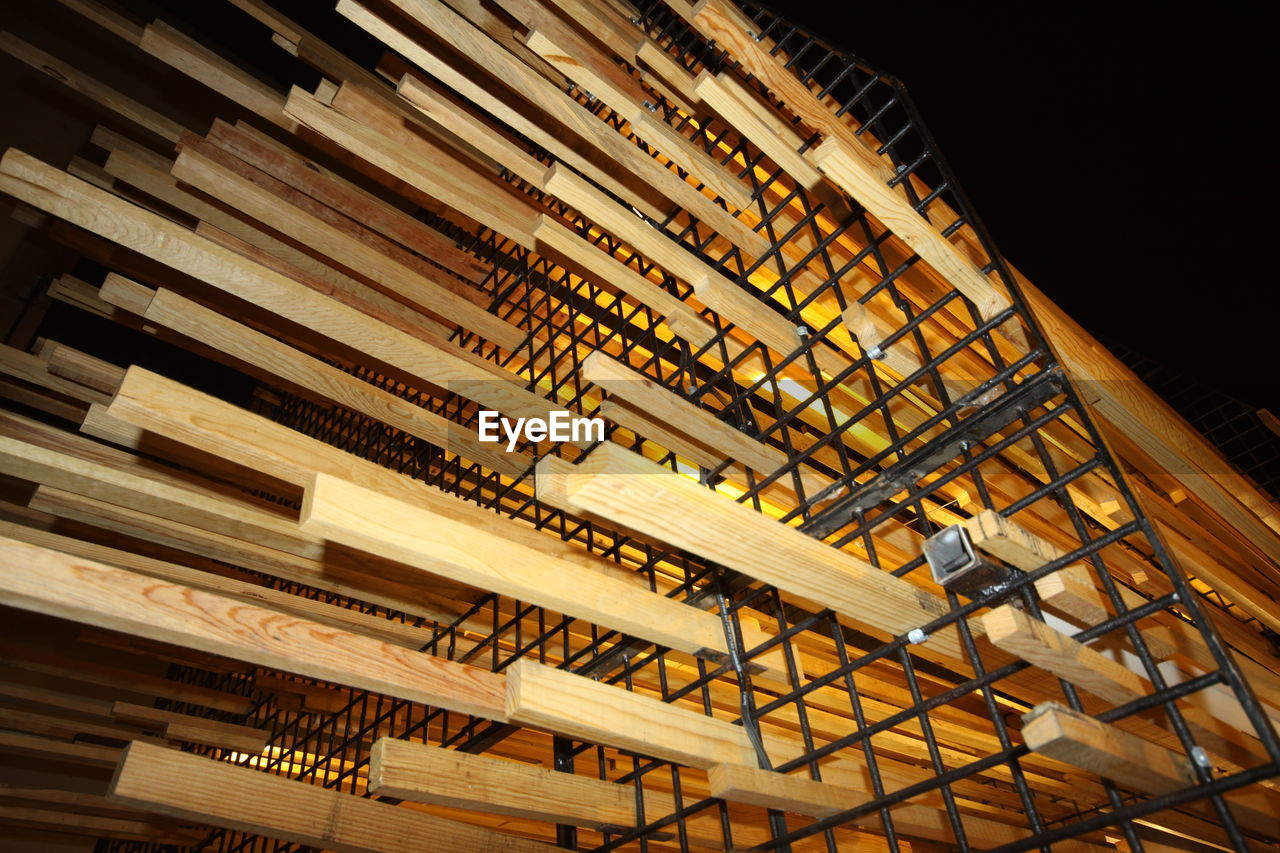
point(620, 485)
point(200, 789)
point(56, 584)
point(69, 198)
point(193, 320)
point(340, 247)
point(1136, 764)
point(1030, 639)
point(547, 698)
point(446, 777)
point(482, 557)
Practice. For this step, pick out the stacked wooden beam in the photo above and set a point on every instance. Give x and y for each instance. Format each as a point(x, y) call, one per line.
point(333, 614)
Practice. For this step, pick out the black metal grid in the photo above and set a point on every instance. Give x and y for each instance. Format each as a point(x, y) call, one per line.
point(897, 698)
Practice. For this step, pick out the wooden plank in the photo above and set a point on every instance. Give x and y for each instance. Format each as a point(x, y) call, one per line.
point(107, 19)
point(37, 183)
point(851, 171)
point(606, 269)
point(198, 62)
point(846, 158)
point(39, 660)
point(352, 228)
point(498, 106)
point(332, 190)
point(801, 795)
point(70, 363)
point(54, 404)
point(1030, 639)
point(376, 523)
point(1071, 589)
point(86, 85)
point(1134, 763)
point(632, 491)
point(700, 425)
point(250, 241)
point(340, 247)
point(544, 697)
point(93, 472)
point(362, 125)
point(871, 331)
point(194, 729)
point(194, 788)
point(446, 777)
point(342, 580)
point(48, 749)
point(59, 585)
point(573, 57)
point(470, 42)
point(33, 369)
point(1151, 424)
point(713, 289)
point(98, 826)
point(185, 415)
point(108, 140)
point(181, 315)
point(726, 96)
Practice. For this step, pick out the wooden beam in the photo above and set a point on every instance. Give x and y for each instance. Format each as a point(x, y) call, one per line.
point(340, 247)
point(185, 727)
point(445, 777)
point(194, 788)
point(801, 795)
point(48, 749)
point(86, 85)
point(1134, 763)
point(189, 318)
point(198, 62)
point(1070, 589)
point(332, 190)
point(624, 487)
point(482, 557)
point(84, 591)
point(183, 414)
point(544, 697)
point(98, 826)
point(69, 198)
point(1010, 629)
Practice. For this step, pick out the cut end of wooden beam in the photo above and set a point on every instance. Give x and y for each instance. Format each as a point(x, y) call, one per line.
point(789, 793)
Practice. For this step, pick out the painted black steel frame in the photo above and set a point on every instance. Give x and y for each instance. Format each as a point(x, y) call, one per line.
point(971, 427)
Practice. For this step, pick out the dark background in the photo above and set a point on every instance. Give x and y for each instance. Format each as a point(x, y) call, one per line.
point(1120, 154)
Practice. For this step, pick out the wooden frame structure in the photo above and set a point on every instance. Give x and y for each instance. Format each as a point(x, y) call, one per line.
point(332, 616)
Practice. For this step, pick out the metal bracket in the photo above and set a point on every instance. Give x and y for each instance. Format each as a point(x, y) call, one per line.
point(957, 565)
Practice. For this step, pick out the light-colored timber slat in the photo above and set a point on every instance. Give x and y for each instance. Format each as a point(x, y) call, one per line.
point(195, 788)
point(1014, 631)
point(189, 318)
point(545, 697)
point(57, 584)
point(446, 777)
point(76, 201)
point(805, 796)
point(636, 493)
point(416, 536)
point(1131, 762)
point(206, 175)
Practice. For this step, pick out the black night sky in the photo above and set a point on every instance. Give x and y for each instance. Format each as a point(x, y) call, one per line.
point(1119, 153)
